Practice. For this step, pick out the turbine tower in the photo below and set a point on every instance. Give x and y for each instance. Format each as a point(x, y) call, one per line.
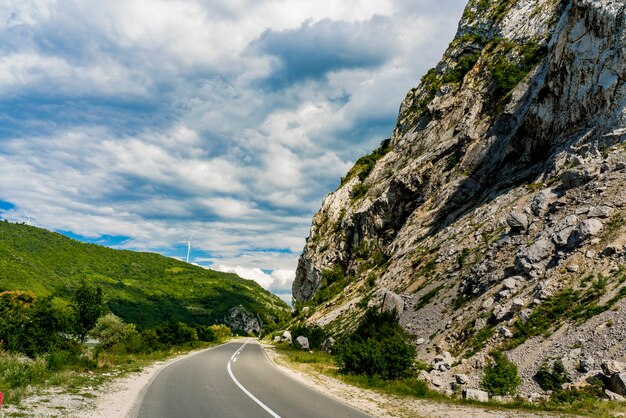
point(29, 219)
point(189, 247)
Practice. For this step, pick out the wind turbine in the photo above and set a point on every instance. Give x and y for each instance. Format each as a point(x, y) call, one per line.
point(29, 219)
point(189, 247)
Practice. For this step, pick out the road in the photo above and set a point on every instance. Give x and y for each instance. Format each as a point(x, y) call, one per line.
point(234, 380)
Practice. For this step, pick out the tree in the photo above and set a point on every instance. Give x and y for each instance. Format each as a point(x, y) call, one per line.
point(109, 330)
point(88, 306)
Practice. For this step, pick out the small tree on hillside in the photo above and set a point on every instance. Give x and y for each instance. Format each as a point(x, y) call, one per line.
point(88, 306)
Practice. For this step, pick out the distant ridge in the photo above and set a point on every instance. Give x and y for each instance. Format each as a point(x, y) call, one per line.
point(142, 288)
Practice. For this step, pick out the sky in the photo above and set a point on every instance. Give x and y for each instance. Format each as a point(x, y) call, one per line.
point(137, 124)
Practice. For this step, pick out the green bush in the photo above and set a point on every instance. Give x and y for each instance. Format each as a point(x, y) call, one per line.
point(109, 330)
point(206, 333)
point(552, 379)
point(500, 376)
point(378, 347)
point(314, 333)
point(175, 333)
point(29, 325)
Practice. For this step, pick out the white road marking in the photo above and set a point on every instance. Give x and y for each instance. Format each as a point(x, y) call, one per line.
point(232, 376)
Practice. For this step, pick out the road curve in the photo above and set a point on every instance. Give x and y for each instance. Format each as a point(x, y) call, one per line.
point(234, 380)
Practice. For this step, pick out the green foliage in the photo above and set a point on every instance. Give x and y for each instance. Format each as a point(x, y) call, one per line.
point(378, 347)
point(141, 288)
point(508, 72)
point(358, 191)
point(314, 333)
point(109, 330)
point(573, 305)
point(460, 259)
point(465, 63)
point(479, 339)
point(552, 378)
point(334, 280)
point(58, 361)
point(87, 305)
point(364, 165)
point(500, 376)
point(424, 300)
point(175, 333)
point(29, 325)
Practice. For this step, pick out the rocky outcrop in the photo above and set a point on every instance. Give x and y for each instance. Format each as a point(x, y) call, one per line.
point(500, 191)
point(240, 319)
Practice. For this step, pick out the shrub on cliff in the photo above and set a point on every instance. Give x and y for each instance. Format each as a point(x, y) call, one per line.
point(501, 377)
point(378, 347)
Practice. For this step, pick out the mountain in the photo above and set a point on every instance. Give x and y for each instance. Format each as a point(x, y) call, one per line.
point(143, 288)
point(494, 216)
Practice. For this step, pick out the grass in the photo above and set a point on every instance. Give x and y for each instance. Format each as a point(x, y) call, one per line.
point(575, 403)
point(424, 300)
point(573, 305)
point(21, 376)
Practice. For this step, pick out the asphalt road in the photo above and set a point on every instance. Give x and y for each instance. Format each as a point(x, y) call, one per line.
point(234, 380)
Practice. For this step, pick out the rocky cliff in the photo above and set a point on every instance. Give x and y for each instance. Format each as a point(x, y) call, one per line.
point(494, 216)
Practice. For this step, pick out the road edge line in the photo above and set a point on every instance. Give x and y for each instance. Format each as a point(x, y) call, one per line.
point(246, 391)
point(305, 383)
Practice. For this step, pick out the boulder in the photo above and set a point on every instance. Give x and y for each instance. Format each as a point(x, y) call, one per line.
point(444, 358)
point(601, 212)
point(278, 339)
point(328, 344)
point(476, 395)
point(436, 381)
point(392, 301)
point(425, 376)
point(517, 221)
point(510, 283)
point(618, 383)
point(420, 341)
point(505, 332)
point(302, 342)
point(287, 336)
point(587, 364)
point(503, 399)
point(578, 177)
point(541, 202)
point(518, 304)
point(531, 258)
point(461, 378)
point(614, 396)
point(589, 228)
point(585, 230)
point(611, 367)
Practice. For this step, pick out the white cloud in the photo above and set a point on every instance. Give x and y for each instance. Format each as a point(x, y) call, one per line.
point(149, 119)
point(277, 281)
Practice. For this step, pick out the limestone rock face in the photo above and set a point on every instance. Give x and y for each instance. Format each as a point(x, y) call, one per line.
point(239, 318)
point(500, 188)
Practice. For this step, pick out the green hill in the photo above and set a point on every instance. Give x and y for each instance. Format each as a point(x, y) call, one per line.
point(143, 288)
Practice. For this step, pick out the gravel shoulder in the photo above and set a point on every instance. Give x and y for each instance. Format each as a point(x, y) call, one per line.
point(116, 398)
point(121, 396)
point(382, 405)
